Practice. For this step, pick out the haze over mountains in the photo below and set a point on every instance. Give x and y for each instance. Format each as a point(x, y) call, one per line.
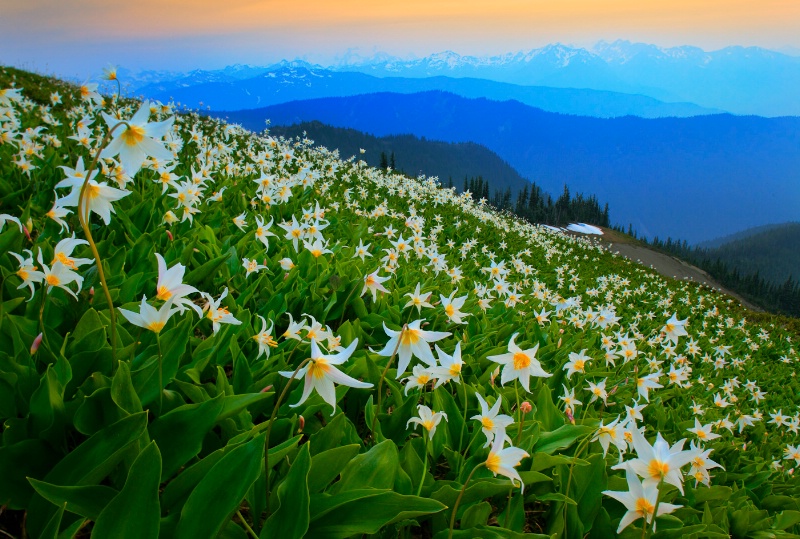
point(741, 80)
point(691, 178)
point(636, 125)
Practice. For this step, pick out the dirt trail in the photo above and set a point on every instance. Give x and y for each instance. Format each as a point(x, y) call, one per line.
point(666, 265)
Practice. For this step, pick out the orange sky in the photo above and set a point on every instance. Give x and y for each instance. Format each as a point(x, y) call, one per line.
point(246, 30)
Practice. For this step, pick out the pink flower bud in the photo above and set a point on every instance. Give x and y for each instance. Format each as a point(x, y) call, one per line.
point(526, 407)
point(169, 235)
point(570, 416)
point(302, 421)
point(266, 389)
point(36, 343)
point(91, 294)
point(27, 234)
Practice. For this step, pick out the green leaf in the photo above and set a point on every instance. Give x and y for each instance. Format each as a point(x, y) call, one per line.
point(291, 518)
point(377, 468)
point(135, 512)
point(50, 531)
point(327, 465)
point(561, 438)
point(87, 501)
point(180, 433)
point(18, 462)
point(89, 463)
point(122, 391)
point(489, 532)
point(364, 511)
point(233, 404)
point(476, 515)
point(221, 491)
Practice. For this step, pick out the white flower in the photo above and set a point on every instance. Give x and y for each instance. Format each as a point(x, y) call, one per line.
point(427, 418)
point(411, 341)
point(493, 423)
point(640, 500)
point(137, 140)
point(170, 286)
point(149, 317)
point(321, 373)
point(519, 364)
point(218, 315)
point(503, 461)
point(264, 338)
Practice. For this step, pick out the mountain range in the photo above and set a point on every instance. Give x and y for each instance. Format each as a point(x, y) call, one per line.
point(740, 80)
point(291, 81)
point(691, 178)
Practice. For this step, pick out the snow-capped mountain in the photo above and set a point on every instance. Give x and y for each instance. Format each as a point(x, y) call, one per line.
point(742, 80)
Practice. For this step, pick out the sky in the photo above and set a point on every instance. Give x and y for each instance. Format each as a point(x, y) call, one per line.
point(79, 37)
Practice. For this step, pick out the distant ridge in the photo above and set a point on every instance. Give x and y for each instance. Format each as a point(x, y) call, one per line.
point(414, 156)
point(691, 178)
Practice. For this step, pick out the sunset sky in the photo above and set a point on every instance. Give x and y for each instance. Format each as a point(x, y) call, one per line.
point(79, 37)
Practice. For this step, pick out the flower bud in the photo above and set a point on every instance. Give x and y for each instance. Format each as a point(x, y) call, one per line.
point(36, 343)
point(525, 407)
point(302, 422)
point(266, 389)
point(26, 232)
point(169, 235)
point(570, 416)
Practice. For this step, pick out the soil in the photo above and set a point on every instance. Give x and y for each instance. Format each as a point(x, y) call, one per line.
point(666, 265)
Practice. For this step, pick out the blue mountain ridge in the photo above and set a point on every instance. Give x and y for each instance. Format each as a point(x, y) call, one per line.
point(692, 178)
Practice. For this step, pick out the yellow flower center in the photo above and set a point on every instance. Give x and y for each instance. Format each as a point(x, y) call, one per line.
point(23, 274)
point(423, 379)
point(409, 337)
point(493, 462)
point(455, 369)
point(428, 424)
point(52, 280)
point(163, 293)
point(644, 507)
point(579, 365)
point(521, 361)
point(133, 135)
point(155, 326)
point(316, 252)
point(318, 368)
point(449, 309)
point(93, 191)
point(487, 423)
point(658, 470)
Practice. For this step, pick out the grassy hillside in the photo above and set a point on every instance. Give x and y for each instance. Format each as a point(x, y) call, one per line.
point(249, 337)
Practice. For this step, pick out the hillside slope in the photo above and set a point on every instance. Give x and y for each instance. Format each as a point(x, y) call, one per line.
point(693, 178)
point(236, 335)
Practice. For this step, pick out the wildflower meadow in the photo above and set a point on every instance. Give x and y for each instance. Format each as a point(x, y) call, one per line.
point(208, 332)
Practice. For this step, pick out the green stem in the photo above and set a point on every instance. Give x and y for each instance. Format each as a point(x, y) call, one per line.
point(383, 375)
point(160, 375)
point(521, 417)
point(655, 509)
point(246, 525)
point(83, 217)
point(578, 452)
point(458, 500)
point(41, 318)
point(424, 464)
point(272, 420)
point(344, 307)
point(464, 424)
point(508, 506)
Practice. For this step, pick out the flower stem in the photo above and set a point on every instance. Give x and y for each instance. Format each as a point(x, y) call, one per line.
point(83, 217)
point(344, 307)
point(458, 500)
point(519, 412)
point(272, 420)
point(578, 452)
point(246, 525)
point(655, 510)
point(464, 424)
point(383, 375)
point(160, 375)
point(424, 464)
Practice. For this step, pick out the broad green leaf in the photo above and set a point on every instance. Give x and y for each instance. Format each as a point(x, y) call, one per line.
point(561, 438)
point(327, 465)
point(135, 512)
point(291, 517)
point(122, 391)
point(89, 463)
point(221, 491)
point(377, 468)
point(180, 433)
point(87, 501)
point(364, 511)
